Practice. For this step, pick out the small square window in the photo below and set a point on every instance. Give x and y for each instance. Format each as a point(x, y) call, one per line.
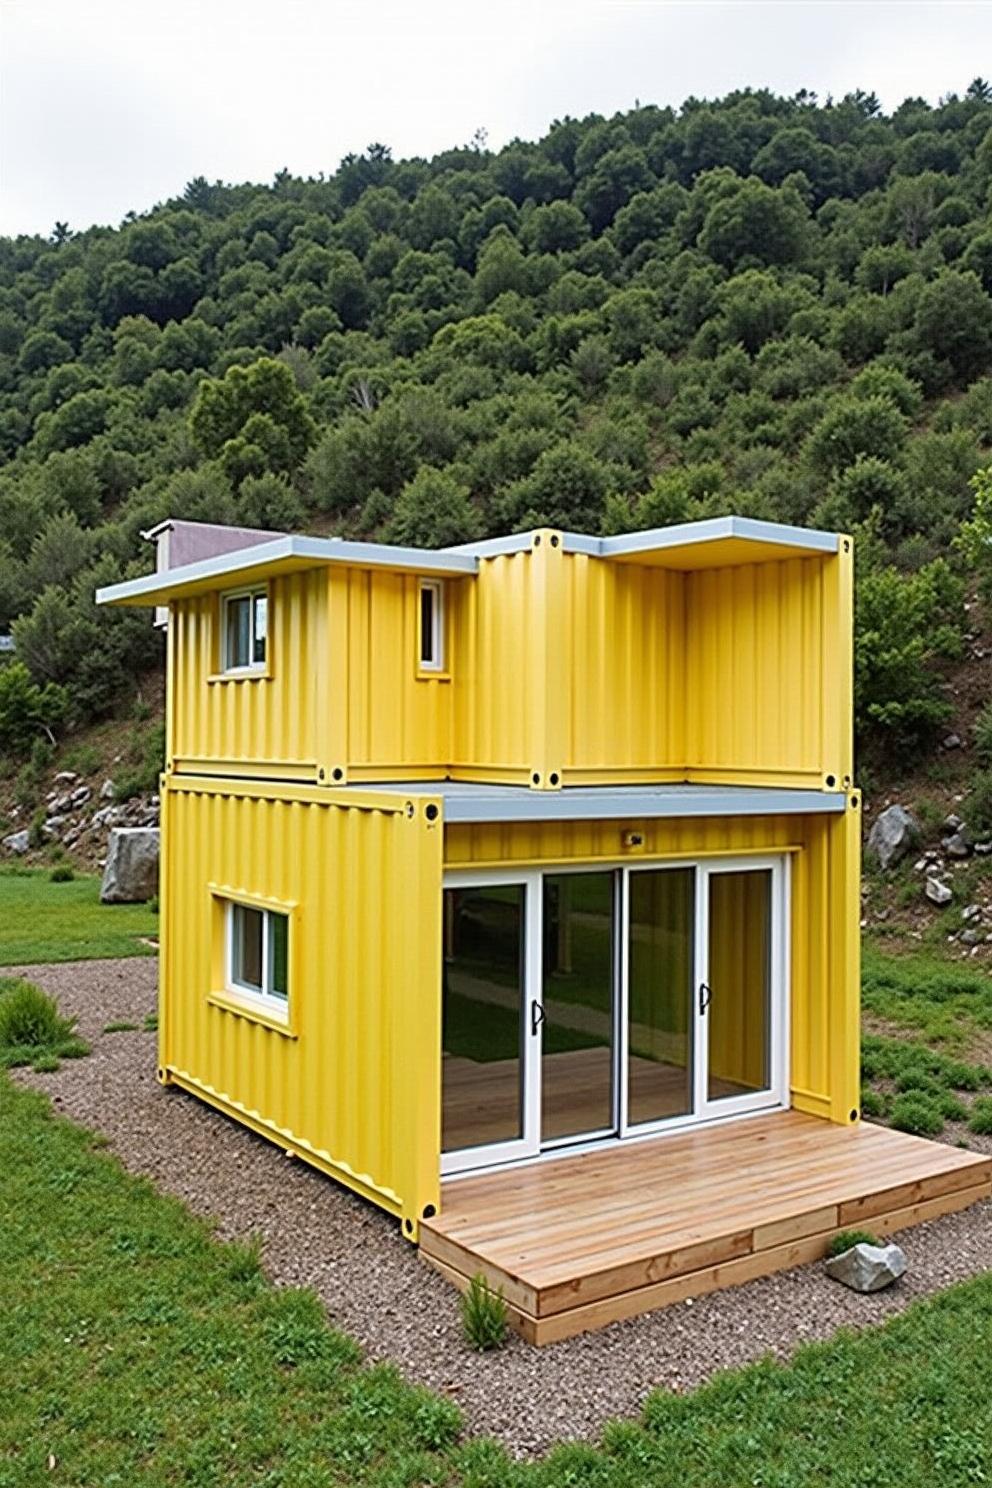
point(431, 655)
point(258, 953)
point(246, 625)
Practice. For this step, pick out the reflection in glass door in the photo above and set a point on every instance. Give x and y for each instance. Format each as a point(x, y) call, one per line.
point(736, 998)
point(577, 997)
point(659, 1019)
point(488, 1030)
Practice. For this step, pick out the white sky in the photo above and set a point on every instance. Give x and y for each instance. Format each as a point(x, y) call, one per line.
point(108, 106)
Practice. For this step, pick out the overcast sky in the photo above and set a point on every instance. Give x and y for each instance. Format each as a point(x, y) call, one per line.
point(108, 106)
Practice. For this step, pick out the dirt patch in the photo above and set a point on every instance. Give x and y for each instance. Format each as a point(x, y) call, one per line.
point(375, 1287)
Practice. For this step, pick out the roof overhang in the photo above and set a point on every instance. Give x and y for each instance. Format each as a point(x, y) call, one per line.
point(470, 803)
point(283, 556)
point(720, 542)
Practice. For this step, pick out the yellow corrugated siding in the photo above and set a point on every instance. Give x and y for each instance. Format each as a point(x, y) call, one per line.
point(498, 693)
point(623, 658)
point(766, 649)
point(824, 967)
point(275, 718)
point(397, 718)
point(357, 1090)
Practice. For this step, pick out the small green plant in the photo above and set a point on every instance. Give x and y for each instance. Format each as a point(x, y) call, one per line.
point(484, 1314)
point(32, 1027)
point(61, 873)
point(917, 1113)
point(120, 1027)
point(150, 1024)
point(46, 1064)
point(36, 831)
point(980, 1120)
point(153, 904)
point(84, 759)
point(849, 1238)
point(245, 1260)
point(873, 1103)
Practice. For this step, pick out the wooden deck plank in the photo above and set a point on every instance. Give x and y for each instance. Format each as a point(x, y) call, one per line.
point(590, 1238)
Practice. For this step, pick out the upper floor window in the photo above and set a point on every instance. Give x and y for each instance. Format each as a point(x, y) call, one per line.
point(258, 953)
point(246, 624)
point(431, 658)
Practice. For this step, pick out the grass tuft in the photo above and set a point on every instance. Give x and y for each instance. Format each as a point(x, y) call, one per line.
point(917, 1113)
point(484, 1314)
point(847, 1239)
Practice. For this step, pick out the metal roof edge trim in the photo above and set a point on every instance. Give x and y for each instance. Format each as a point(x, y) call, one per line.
point(318, 549)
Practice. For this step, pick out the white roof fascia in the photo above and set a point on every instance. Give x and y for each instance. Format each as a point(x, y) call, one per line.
point(316, 549)
point(683, 534)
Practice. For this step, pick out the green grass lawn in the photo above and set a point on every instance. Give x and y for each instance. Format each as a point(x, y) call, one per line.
point(45, 921)
point(135, 1348)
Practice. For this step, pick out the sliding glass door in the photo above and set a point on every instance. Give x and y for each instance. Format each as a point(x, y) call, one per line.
point(579, 1006)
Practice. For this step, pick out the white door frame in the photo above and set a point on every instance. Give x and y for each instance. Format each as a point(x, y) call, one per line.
point(777, 1091)
point(529, 1145)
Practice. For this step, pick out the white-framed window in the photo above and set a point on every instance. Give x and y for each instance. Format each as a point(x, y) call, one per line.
point(258, 953)
point(431, 626)
point(245, 630)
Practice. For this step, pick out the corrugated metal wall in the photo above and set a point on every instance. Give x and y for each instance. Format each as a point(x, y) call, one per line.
point(398, 719)
point(765, 645)
point(825, 969)
point(623, 673)
point(235, 722)
point(354, 1084)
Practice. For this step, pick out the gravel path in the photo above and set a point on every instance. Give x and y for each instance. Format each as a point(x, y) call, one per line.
point(375, 1288)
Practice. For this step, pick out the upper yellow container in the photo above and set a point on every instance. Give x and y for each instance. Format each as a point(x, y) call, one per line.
point(715, 652)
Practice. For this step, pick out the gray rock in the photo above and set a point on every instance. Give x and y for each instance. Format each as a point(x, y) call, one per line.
point(953, 823)
point(65, 777)
point(59, 805)
point(81, 795)
point(956, 846)
point(131, 873)
point(937, 892)
point(982, 849)
point(952, 741)
point(107, 816)
point(53, 825)
point(892, 835)
point(971, 912)
point(107, 791)
point(17, 842)
point(868, 1268)
point(971, 937)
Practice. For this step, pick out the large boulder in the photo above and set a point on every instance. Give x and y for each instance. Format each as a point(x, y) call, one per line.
point(131, 873)
point(892, 835)
point(867, 1268)
point(18, 842)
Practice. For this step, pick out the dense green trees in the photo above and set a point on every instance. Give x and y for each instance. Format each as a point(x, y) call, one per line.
point(758, 304)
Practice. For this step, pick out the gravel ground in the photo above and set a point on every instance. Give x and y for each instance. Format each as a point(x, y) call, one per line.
point(375, 1288)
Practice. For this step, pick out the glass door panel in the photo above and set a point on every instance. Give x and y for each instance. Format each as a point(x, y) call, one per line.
point(484, 1013)
point(577, 999)
point(660, 975)
point(737, 996)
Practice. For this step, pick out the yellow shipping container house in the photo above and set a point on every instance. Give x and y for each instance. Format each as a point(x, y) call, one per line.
point(505, 857)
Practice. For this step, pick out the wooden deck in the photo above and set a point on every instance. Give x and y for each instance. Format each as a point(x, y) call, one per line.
point(582, 1241)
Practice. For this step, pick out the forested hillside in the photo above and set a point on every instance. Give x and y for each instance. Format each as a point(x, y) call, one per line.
point(772, 306)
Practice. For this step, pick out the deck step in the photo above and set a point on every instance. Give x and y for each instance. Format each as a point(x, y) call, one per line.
point(584, 1241)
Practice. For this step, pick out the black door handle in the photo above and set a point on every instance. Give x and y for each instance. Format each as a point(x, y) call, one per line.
point(705, 996)
point(537, 1016)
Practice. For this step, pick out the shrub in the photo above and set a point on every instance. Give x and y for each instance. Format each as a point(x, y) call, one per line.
point(917, 1113)
point(62, 873)
point(983, 735)
point(847, 1239)
point(29, 1018)
point(483, 1314)
point(873, 1103)
point(980, 1120)
point(28, 712)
